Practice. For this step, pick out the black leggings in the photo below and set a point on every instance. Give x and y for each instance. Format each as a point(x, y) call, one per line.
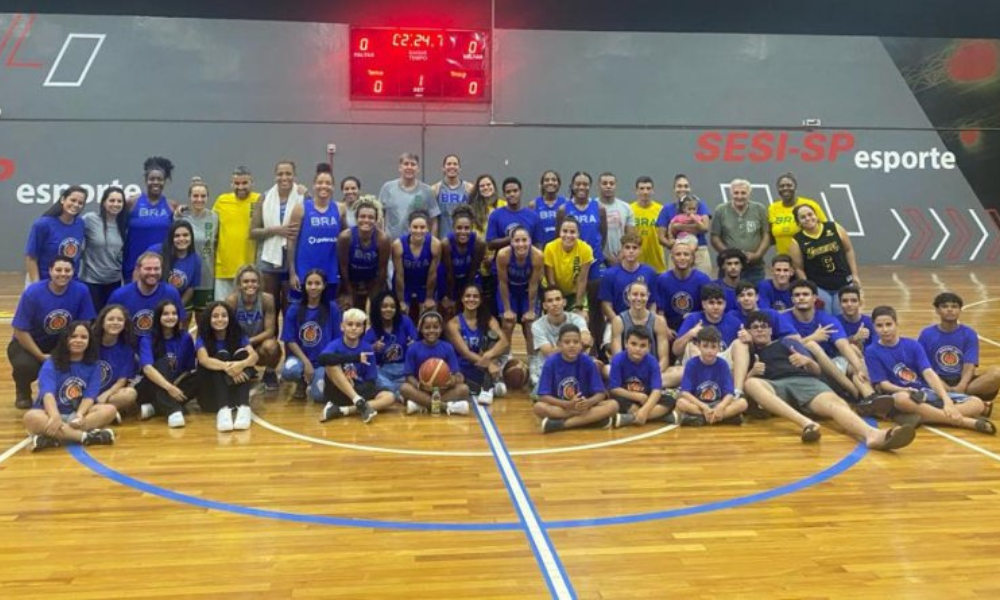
point(24, 365)
point(218, 391)
point(150, 393)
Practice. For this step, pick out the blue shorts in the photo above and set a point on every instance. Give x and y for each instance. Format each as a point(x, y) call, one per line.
point(934, 400)
point(390, 377)
point(518, 303)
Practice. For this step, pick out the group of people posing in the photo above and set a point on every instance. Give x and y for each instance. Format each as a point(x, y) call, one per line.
point(347, 298)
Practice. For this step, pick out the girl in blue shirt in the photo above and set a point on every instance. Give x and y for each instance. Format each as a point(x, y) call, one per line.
point(364, 253)
point(166, 358)
point(390, 335)
point(58, 232)
point(309, 326)
point(419, 397)
point(225, 367)
point(66, 410)
point(415, 257)
point(116, 358)
point(149, 215)
point(181, 265)
point(462, 253)
point(480, 344)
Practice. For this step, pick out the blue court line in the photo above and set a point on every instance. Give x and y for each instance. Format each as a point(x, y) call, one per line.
point(83, 457)
point(560, 587)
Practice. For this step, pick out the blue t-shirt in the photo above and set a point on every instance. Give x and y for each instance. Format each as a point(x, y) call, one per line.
point(564, 379)
point(807, 328)
point(642, 377)
point(362, 261)
point(851, 329)
point(178, 349)
point(949, 351)
point(669, 211)
point(502, 222)
point(356, 372)
point(728, 326)
point(44, 315)
point(676, 297)
point(770, 297)
point(731, 304)
point(141, 307)
point(302, 326)
point(615, 282)
point(116, 362)
point(69, 387)
point(547, 219)
point(317, 242)
point(199, 343)
point(49, 237)
point(590, 225)
point(184, 273)
point(147, 225)
point(708, 383)
point(779, 327)
point(419, 352)
point(397, 342)
point(902, 364)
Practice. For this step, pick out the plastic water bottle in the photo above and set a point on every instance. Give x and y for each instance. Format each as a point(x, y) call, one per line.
point(436, 402)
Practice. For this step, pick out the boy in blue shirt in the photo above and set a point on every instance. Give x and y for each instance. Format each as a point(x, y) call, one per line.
point(350, 373)
point(899, 366)
point(635, 382)
point(858, 327)
point(570, 390)
point(776, 292)
point(707, 391)
point(953, 349)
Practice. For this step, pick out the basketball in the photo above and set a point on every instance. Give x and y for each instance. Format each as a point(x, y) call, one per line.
point(515, 374)
point(434, 372)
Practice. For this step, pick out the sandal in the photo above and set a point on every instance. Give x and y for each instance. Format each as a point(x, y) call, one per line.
point(897, 437)
point(811, 433)
point(984, 425)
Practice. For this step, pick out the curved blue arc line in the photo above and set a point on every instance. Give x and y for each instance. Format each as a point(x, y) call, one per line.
point(84, 458)
point(830, 472)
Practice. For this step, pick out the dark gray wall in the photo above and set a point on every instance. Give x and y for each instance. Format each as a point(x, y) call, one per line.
point(212, 94)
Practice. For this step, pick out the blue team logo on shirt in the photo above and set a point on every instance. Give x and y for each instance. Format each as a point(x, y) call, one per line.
point(71, 391)
point(682, 303)
point(56, 321)
point(904, 373)
point(310, 333)
point(393, 353)
point(778, 305)
point(106, 373)
point(569, 388)
point(142, 321)
point(708, 391)
point(172, 361)
point(351, 371)
point(634, 384)
point(949, 358)
point(70, 247)
point(510, 229)
point(177, 278)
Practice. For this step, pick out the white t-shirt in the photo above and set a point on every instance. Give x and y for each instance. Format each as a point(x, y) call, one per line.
point(544, 333)
point(620, 216)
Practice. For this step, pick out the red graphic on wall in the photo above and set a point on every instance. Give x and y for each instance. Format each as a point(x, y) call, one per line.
point(13, 26)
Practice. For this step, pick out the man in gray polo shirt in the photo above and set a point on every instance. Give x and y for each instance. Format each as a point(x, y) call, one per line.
point(402, 196)
point(742, 223)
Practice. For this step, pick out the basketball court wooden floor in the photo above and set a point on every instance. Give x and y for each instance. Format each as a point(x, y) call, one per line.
point(485, 507)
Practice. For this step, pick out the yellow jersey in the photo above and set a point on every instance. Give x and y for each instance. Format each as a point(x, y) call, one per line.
point(651, 252)
point(568, 266)
point(783, 225)
point(235, 248)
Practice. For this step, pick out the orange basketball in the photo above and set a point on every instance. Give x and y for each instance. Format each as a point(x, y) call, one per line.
point(515, 374)
point(434, 372)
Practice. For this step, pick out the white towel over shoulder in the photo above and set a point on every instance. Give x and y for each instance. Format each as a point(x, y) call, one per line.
point(273, 249)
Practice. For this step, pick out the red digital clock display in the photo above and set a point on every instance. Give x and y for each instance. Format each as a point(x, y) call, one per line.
point(419, 64)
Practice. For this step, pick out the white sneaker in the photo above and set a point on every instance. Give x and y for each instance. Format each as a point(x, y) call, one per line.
point(414, 408)
point(146, 412)
point(458, 408)
point(224, 420)
point(242, 422)
point(176, 419)
point(485, 397)
point(500, 389)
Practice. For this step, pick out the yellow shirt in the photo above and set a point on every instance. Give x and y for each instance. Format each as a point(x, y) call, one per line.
point(568, 265)
point(651, 252)
point(235, 247)
point(783, 225)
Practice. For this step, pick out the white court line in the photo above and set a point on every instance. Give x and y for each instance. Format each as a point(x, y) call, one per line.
point(15, 449)
point(348, 446)
point(978, 302)
point(962, 442)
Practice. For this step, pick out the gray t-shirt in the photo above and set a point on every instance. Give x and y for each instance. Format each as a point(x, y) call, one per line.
point(399, 203)
point(744, 232)
point(620, 216)
point(102, 253)
point(206, 232)
point(448, 199)
point(544, 333)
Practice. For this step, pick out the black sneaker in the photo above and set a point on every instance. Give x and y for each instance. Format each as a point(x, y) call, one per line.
point(300, 391)
point(734, 420)
point(41, 442)
point(668, 399)
point(693, 420)
point(330, 412)
point(366, 412)
point(670, 418)
point(623, 420)
point(918, 396)
point(552, 425)
point(876, 405)
point(99, 437)
point(756, 410)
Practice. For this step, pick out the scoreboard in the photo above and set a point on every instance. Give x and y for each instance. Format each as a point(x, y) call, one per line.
point(442, 65)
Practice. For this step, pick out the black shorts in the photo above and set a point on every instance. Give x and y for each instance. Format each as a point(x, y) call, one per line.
point(366, 389)
point(625, 406)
